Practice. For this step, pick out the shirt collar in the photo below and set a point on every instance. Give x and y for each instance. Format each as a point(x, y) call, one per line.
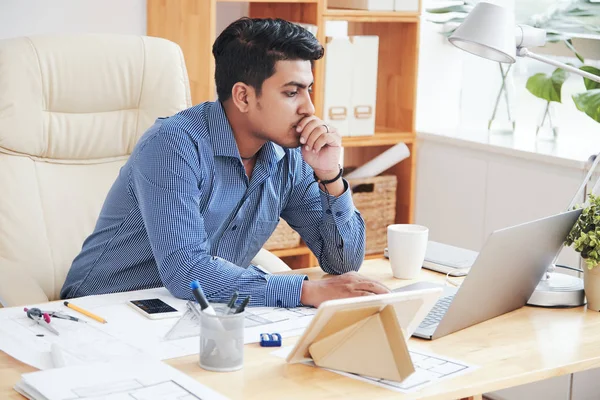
point(223, 142)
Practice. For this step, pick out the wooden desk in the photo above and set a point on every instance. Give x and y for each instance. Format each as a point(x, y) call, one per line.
point(527, 345)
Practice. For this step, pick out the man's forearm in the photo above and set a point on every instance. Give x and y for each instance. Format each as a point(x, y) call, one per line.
point(343, 246)
point(220, 279)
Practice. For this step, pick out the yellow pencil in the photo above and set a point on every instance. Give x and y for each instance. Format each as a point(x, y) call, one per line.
point(84, 312)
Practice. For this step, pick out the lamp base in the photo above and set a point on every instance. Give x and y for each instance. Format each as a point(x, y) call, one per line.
point(559, 290)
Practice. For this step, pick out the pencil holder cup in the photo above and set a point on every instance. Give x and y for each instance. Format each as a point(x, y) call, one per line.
point(222, 341)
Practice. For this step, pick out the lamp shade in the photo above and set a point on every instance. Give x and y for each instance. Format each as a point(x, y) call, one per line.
point(488, 32)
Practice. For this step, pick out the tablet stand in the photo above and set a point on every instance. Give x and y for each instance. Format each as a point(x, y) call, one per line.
point(364, 341)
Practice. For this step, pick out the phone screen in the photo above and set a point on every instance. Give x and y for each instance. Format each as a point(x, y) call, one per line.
point(153, 306)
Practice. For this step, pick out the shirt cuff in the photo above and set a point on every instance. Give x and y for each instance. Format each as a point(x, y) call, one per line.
point(338, 210)
point(284, 290)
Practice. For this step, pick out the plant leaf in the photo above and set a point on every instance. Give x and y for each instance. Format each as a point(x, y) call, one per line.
point(590, 84)
point(580, 12)
point(554, 37)
point(547, 87)
point(448, 21)
point(448, 33)
point(443, 10)
point(569, 44)
point(589, 103)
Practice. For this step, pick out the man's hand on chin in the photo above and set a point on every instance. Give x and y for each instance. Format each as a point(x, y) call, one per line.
point(321, 144)
point(350, 284)
point(321, 149)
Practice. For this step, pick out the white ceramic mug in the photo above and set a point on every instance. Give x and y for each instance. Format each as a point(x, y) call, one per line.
point(407, 244)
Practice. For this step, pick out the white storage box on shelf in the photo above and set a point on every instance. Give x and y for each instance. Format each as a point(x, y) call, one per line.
point(338, 83)
point(372, 5)
point(364, 85)
point(351, 84)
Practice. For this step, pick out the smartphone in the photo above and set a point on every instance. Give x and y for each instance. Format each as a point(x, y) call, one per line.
point(154, 308)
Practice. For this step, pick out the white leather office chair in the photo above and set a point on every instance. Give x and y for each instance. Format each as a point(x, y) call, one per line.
point(72, 108)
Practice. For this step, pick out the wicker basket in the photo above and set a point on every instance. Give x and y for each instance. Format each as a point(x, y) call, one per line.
point(283, 237)
point(375, 198)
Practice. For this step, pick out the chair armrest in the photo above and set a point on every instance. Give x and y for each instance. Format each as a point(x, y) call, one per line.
point(269, 262)
point(17, 288)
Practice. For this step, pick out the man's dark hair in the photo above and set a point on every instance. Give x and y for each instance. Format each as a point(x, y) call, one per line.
point(247, 50)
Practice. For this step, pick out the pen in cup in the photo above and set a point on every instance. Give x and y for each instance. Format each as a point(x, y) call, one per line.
point(231, 304)
point(242, 306)
point(201, 298)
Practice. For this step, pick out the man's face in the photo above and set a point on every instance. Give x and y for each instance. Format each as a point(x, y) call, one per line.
point(284, 101)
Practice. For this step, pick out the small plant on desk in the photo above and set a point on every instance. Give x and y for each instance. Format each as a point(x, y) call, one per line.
point(585, 235)
point(585, 239)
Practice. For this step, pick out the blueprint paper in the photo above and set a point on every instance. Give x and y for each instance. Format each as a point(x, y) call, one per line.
point(128, 335)
point(430, 368)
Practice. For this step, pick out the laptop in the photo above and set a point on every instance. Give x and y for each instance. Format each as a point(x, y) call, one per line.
point(502, 278)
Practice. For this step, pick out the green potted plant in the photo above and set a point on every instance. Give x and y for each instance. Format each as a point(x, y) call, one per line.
point(585, 239)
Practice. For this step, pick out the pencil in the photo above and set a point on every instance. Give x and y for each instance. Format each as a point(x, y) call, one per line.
point(84, 312)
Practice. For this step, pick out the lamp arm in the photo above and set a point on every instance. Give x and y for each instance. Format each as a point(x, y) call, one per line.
point(585, 182)
point(523, 52)
point(597, 185)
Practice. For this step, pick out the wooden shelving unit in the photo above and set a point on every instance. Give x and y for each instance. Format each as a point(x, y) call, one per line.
point(192, 24)
point(369, 16)
point(382, 137)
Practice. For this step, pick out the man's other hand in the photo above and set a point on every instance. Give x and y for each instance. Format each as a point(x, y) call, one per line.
point(350, 284)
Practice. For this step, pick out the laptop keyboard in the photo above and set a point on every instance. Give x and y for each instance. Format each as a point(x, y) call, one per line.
point(437, 312)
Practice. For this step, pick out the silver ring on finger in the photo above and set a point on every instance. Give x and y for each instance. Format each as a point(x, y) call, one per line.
point(326, 127)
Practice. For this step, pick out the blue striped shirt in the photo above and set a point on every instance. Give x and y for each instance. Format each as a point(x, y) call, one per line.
point(182, 208)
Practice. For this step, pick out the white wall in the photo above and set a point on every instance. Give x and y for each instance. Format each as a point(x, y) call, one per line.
point(439, 80)
point(31, 17)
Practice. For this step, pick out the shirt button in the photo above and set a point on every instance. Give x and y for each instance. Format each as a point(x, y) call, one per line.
point(233, 228)
point(279, 303)
point(338, 214)
point(328, 211)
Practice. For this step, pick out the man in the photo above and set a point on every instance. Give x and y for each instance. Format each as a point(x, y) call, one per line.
point(203, 190)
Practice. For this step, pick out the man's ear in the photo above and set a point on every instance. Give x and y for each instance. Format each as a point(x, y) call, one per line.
point(242, 96)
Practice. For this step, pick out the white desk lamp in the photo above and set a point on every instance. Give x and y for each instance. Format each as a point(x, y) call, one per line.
point(489, 31)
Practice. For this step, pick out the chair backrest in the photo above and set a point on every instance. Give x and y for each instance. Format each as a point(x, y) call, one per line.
point(72, 107)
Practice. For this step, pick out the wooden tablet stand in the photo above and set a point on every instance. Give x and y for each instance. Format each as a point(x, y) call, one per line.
point(364, 341)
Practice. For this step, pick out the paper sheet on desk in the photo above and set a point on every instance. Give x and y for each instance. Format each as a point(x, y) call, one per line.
point(128, 334)
point(114, 381)
point(429, 369)
point(28, 342)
